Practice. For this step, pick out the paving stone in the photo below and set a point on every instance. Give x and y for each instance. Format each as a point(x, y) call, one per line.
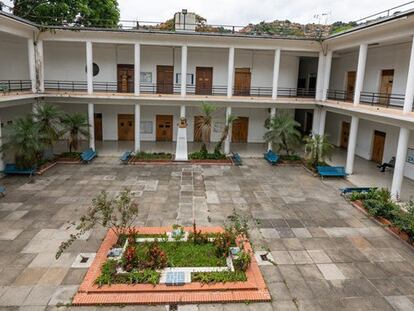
point(268, 233)
point(9, 234)
point(282, 257)
point(15, 295)
point(400, 303)
point(63, 295)
point(39, 295)
point(319, 256)
point(300, 257)
point(301, 232)
point(331, 272)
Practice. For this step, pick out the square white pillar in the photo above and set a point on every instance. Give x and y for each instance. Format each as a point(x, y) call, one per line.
point(359, 84)
point(319, 77)
point(322, 120)
point(39, 67)
point(276, 69)
point(228, 138)
point(327, 75)
point(32, 63)
point(409, 89)
point(400, 159)
point(137, 128)
point(230, 73)
point(272, 115)
point(353, 133)
point(91, 121)
point(1, 153)
point(182, 111)
point(89, 66)
point(137, 68)
point(183, 70)
point(315, 121)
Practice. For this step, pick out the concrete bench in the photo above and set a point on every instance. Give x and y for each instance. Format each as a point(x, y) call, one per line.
point(271, 157)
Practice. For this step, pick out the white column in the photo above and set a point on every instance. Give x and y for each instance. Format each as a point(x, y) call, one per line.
point(272, 115)
point(228, 139)
point(276, 66)
point(409, 89)
point(137, 127)
point(1, 154)
point(31, 63)
point(319, 77)
point(137, 68)
point(322, 120)
point(315, 121)
point(182, 111)
point(327, 75)
point(230, 73)
point(362, 60)
point(400, 159)
point(89, 66)
point(349, 169)
point(183, 70)
point(91, 121)
point(39, 65)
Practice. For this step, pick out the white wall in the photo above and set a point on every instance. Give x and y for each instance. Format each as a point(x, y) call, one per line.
point(14, 62)
point(379, 58)
point(365, 138)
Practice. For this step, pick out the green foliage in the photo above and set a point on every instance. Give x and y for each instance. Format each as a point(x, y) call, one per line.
point(204, 155)
point(73, 155)
point(219, 277)
point(142, 155)
point(230, 119)
point(223, 241)
point(242, 261)
point(197, 236)
point(238, 225)
point(317, 149)
point(89, 13)
point(47, 117)
point(24, 138)
point(129, 259)
point(203, 125)
point(283, 133)
point(291, 157)
point(341, 26)
point(76, 126)
point(116, 214)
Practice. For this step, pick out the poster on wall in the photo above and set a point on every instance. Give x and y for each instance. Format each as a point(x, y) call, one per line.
point(410, 155)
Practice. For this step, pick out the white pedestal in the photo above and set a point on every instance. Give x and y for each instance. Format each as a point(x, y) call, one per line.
point(181, 153)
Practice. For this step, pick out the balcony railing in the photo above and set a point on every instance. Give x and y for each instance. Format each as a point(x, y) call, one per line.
point(66, 86)
point(10, 86)
point(371, 98)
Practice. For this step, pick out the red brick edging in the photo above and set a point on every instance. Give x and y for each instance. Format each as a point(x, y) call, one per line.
point(254, 289)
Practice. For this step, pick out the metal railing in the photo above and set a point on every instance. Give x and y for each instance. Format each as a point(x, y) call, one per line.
point(371, 98)
point(296, 92)
point(10, 86)
point(66, 86)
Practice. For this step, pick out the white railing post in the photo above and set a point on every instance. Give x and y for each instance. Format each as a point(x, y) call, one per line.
point(359, 84)
point(276, 69)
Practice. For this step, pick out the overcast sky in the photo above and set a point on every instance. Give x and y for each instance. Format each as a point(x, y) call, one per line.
point(242, 12)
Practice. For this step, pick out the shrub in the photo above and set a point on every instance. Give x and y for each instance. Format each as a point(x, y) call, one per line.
point(130, 259)
point(157, 258)
point(203, 155)
point(197, 236)
point(242, 261)
point(223, 242)
point(219, 277)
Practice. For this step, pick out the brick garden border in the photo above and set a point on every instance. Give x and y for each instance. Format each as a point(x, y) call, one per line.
point(254, 289)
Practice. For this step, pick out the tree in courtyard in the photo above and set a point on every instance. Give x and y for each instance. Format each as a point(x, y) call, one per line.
point(47, 117)
point(76, 127)
point(204, 124)
point(24, 139)
point(118, 215)
point(230, 119)
point(90, 13)
point(317, 149)
point(283, 133)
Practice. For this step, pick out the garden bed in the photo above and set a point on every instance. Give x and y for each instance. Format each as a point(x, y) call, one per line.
point(69, 157)
point(142, 273)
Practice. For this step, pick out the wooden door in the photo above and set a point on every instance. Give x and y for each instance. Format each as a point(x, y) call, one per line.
point(240, 130)
point(125, 78)
point(387, 80)
point(204, 80)
point(126, 128)
point(378, 147)
point(98, 126)
point(350, 85)
point(165, 79)
point(345, 134)
point(242, 80)
point(164, 124)
point(197, 132)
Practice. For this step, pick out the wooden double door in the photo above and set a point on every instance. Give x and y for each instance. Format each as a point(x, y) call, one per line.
point(387, 80)
point(126, 127)
point(98, 126)
point(345, 134)
point(350, 85)
point(378, 147)
point(165, 79)
point(204, 80)
point(125, 78)
point(240, 130)
point(242, 82)
point(164, 126)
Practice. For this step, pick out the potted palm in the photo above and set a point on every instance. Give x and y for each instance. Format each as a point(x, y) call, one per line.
point(317, 150)
point(75, 127)
point(204, 124)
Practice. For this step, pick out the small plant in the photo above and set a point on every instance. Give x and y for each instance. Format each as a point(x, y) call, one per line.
point(242, 261)
point(223, 242)
point(238, 225)
point(197, 236)
point(157, 258)
point(178, 232)
point(130, 259)
point(218, 277)
point(317, 149)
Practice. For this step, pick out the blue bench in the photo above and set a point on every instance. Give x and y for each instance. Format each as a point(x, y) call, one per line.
point(12, 169)
point(356, 189)
point(2, 191)
point(125, 157)
point(271, 157)
point(331, 171)
point(88, 155)
point(235, 157)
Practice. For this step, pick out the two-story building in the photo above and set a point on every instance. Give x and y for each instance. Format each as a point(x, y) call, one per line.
point(135, 83)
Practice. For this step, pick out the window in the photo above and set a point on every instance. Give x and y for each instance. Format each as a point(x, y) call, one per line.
point(146, 127)
point(146, 77)
point(190, 78)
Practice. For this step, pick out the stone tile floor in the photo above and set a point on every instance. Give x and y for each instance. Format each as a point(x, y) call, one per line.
point(329, 255)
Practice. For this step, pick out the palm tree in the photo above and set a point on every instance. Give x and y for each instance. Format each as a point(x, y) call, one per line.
point(24, 138)
point(204, 124)
point(47, 117)
point(76, 126)
point(230, 119)
point(318, 148)
point(283, 133)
